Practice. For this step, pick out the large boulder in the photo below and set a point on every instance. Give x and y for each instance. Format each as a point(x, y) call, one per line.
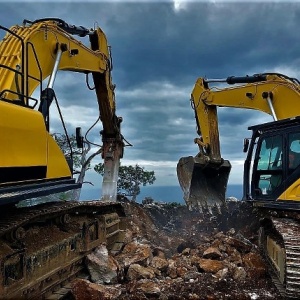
point(255, 265)
point(103, 268)
point(135, 253)
point(210, 265)
point(136, 272)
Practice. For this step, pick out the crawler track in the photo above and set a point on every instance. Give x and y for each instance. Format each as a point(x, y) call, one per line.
point(44, 246)
point(285, 271)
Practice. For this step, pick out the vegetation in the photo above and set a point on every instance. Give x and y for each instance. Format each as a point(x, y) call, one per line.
point(68, 148)
point(130, 179)
point(80, 159)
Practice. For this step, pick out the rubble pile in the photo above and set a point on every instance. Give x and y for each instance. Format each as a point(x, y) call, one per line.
point(173, 253)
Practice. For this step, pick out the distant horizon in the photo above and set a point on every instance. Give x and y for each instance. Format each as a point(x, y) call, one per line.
point(161, 193)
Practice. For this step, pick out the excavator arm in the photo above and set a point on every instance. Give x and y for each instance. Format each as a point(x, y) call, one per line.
point(204, 177)
point(29, 55)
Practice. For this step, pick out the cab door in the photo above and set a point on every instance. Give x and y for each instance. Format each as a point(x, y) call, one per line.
point(276, 166)
point(269, 167)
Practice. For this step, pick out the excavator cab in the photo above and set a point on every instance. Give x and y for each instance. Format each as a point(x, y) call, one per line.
point(272, 166)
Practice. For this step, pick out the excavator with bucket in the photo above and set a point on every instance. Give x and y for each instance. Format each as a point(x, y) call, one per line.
point(271, 181)
point(44, 237)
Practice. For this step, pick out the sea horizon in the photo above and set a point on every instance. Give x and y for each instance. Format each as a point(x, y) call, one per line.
point(161, 193)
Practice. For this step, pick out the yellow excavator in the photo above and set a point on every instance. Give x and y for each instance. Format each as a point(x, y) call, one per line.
point(271, 170)
point(45, 244)
point(31, 157)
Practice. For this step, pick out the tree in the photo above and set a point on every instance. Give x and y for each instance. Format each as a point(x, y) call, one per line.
point(130, 178)
point(68, 148)
point(79, 157)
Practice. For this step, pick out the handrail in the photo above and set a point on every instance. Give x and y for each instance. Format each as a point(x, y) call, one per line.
point(27, 68)
point(23, 93)
point(23, 57)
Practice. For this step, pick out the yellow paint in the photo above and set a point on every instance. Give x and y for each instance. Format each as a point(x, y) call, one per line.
point(292, 193)
point(24, 139)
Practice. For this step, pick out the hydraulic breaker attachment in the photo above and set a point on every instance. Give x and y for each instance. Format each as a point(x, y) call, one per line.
point(204, 184)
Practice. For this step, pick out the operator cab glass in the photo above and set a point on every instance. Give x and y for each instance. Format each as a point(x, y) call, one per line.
point(294, 151)
point(269, 174)
point(276, 164)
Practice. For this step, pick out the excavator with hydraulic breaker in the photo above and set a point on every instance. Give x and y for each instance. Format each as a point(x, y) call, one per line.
point(271, 181)
point(44, 234)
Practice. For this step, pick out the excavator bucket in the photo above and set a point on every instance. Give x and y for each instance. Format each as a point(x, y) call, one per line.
point(203, 184)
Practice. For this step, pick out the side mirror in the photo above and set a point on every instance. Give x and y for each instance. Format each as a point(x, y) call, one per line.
point(79, 138)
point(246, 145)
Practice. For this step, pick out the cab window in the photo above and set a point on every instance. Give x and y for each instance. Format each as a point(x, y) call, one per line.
point(269, 172)
point(294, 151)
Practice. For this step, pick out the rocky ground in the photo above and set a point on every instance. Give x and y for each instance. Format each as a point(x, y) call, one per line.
point(173, 253)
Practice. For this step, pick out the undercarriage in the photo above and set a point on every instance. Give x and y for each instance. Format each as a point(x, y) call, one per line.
point(45, 245)
point(279, 240)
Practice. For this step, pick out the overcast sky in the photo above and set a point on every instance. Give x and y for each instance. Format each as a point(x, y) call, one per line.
point(159, 50)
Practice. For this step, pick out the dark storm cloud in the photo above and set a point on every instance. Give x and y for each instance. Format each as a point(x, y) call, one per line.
point(205, 39)
point(158, 53)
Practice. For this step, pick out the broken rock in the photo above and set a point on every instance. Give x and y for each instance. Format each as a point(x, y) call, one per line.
point(84, 289)
point(148, 287)
point(135, 253)
point(159, 263)
point(210, 265)
point(212, 253)
point(255, 264)
point(241, 245)
point(136, 272)
point(102, 267)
